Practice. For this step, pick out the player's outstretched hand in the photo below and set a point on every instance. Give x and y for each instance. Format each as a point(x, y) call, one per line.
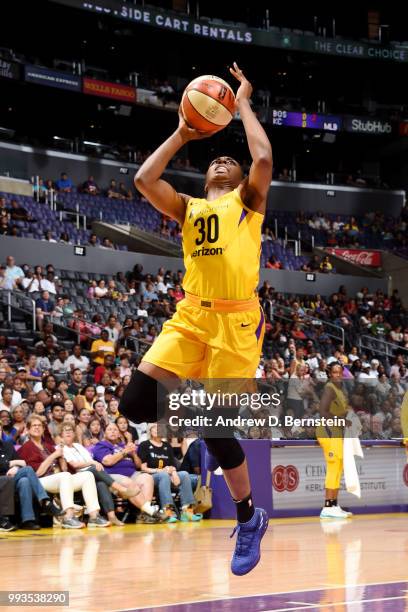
point(245, 89)
point(189, 133)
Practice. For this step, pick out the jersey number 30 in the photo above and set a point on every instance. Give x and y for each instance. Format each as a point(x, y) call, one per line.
point(208, 229)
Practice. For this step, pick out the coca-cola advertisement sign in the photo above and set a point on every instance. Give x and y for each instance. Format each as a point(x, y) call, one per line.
point(359, 257)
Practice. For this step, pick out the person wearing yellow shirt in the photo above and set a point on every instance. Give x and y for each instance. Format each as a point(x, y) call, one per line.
point(102, 347)
point(404, 420)
point(334, 403)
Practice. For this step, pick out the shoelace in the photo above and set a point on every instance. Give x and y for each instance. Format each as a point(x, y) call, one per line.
point(244, 540)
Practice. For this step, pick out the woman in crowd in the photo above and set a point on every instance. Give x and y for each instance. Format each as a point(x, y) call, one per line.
point(158, 459)
point(48, 390)
point(121, 461)
point(113, 409)
point(85, 399)
point(8, 431)
point(79, 459)
point(51, 468)
point(19, 424)
point(84, 417)
point(93, 433)
point(27, 485)
point(101, 412)
point(6, 402)
point(69, 406)
point(127, 433)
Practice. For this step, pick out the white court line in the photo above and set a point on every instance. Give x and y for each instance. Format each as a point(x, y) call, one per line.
point(306, 606)
point(219, 599)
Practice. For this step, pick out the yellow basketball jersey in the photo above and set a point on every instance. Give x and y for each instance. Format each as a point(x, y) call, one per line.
point(222, 246)
point(339, 406)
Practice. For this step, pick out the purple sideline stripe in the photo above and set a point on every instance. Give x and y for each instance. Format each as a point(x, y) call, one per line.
point(243, 215)
point(259, 328)
point(390, 596)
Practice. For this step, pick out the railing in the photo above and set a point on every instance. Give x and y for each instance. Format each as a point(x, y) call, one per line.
point(381, 347)
point(277, 311)
point(76, 214)
point(13, 299)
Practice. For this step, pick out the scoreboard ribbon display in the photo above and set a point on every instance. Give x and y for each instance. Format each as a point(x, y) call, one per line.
point(330, 123)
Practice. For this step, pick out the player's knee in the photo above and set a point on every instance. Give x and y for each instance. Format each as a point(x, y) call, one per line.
point(227, 451)
point(183, 475)
point(141, 401)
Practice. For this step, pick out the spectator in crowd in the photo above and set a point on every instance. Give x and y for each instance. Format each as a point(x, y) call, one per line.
point(101, 290)
point(48, 237)
point(46, 460)
point(84, 416)
point(44, 306)
point(102, 347)
point(79, 459)
point(125, 192)
point(121, 460)
point(13, 273)
point(76, 385)
point(93, 241)
point(273, 263)
point(158, 459)
point(19, 213)
point(113, 191)
point(325, 265)
point(85, 399)
point(40, 191)
point(127, 433)
point(77, 361)
point(26, 484)
point(94, 432)
point(64, 184)
point(107, 243)
point(57, 417)
point(90, 187)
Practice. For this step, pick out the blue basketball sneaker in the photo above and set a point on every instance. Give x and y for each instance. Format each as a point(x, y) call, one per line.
point(210, 462)
point(248, 546)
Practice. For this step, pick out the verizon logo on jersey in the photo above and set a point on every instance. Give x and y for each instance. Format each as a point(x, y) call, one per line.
point(203, 252)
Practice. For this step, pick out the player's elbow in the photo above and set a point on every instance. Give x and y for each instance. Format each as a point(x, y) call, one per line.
point(140, 180)
point(264, 158)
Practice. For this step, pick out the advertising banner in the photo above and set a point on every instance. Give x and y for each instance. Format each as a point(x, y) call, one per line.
point(52, 78)
point(105, 89)
point(240, 33)
point(9, 70)
point(298, 476)
point(372, 259)
point(367, 125)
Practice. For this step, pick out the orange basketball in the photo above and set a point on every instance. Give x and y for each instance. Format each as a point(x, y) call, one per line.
point(208, 103)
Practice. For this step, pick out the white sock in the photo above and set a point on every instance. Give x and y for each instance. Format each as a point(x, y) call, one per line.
point(148, 508)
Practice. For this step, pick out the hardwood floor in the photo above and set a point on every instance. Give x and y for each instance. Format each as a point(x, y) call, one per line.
point(143, 566)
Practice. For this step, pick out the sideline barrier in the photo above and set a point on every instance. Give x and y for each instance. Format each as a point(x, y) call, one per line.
point(288, 479)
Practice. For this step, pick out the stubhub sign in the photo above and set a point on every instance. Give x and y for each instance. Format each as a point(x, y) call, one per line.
point(366, 125)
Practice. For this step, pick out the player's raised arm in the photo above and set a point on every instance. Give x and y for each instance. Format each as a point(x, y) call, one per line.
point(158, 191)
point(254, 189)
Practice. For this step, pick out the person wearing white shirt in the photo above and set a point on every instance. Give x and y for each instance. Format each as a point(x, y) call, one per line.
point(61, 365)
point(13, 273)
point(77, 360)
point(48, 285)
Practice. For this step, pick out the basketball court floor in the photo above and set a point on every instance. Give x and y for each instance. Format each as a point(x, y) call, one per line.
point(360, 564)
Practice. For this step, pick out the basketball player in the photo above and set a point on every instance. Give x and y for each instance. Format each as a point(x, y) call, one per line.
point(333, 403)
point(404, 420)
point(218, 328)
